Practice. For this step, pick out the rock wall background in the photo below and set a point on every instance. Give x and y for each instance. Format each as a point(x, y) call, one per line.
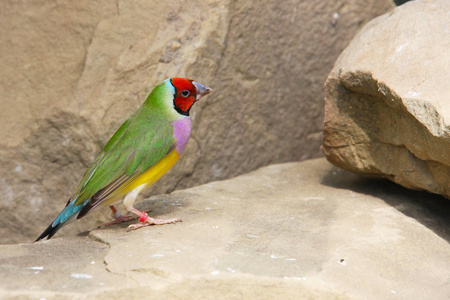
point(72, 72)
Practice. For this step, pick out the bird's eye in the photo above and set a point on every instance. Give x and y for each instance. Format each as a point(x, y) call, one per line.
point(185, 93)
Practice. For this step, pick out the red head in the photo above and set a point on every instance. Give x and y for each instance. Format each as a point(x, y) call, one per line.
point(187, 92)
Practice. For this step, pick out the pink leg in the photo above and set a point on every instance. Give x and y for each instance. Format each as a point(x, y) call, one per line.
point(147, 221)
point(118, 218)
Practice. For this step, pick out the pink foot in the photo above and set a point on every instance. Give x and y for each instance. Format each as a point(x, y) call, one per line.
point(117, 220)
point(147, 221)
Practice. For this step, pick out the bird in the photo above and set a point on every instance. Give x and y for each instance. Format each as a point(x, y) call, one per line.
point(142, 150)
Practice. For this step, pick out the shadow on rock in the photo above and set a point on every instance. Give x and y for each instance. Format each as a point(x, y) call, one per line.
point(432, 211)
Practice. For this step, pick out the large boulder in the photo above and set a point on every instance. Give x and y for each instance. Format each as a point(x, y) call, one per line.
point(387, 110)
point(72, 72)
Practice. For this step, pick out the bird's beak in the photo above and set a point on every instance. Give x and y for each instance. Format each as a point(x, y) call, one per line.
point(202, 90)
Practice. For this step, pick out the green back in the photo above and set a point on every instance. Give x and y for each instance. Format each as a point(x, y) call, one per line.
point(142, 141)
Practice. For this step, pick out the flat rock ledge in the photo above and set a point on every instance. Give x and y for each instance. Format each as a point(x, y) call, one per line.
point(303, 230)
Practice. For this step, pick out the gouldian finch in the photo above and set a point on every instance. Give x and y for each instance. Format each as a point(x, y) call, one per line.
point(143, 149)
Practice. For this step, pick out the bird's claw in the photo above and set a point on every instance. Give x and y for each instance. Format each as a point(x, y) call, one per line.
point(118, 220)
point(150, 221)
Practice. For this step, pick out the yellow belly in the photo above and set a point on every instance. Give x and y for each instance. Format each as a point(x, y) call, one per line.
point(154, 173)
point(148, 177)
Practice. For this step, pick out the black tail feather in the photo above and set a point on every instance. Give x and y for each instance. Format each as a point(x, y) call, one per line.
point(49, 232)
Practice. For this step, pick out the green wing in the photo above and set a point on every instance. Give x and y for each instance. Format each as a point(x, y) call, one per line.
point(141, 142)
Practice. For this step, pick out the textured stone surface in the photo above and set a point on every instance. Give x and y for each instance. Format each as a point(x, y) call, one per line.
point(72, 72)
point(292, 231)
point(387, 99)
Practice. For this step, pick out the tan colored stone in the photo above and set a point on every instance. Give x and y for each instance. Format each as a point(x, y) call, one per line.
point(387, 107)
point(74, 71)
point(292, 231)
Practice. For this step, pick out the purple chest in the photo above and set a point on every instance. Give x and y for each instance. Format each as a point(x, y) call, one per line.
point(181, 133)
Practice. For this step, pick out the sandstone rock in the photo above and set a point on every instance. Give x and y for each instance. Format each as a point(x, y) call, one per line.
point(72, 72)
point(292, 231)
point(387, 107)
